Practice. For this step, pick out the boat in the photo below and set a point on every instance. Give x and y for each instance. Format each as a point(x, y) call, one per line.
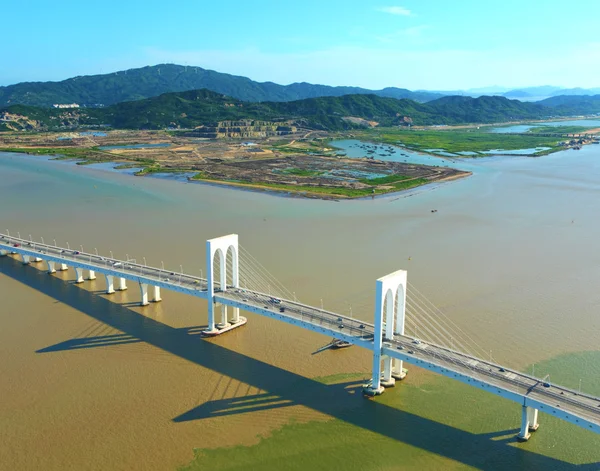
point(335, 344)
point(339, 343)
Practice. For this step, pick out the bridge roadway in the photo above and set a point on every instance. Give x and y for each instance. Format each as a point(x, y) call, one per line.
point(580, 409)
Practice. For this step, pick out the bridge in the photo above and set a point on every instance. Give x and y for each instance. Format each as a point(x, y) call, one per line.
point(385, 338)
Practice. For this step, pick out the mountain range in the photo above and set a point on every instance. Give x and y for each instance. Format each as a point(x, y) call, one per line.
point(196, 108)
point(146, 82)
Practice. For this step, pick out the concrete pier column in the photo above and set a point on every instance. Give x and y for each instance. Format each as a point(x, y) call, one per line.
point(92, 275)
point(524, 434)
point(532, 418)
point(144, 294)
point(78, 275)
point(3, 253)
point(36, 259)
point(51, 268)
point(375, 388)
point(387, 381)
point(62, 267)
point(236, 315)
point(25, 259)
point(223, 322)
point(156, 294)
point(122, 284)
point(398, 370)
point(110, 289)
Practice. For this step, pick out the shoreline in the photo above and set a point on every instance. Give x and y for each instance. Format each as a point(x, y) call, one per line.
point(316, 195)
point(330, 193)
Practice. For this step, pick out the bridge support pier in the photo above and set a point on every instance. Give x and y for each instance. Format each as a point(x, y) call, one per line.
point(390, 294)
point(144, 294)
point(529, 423)
point(25, 259)
point(92, 275)
point(387, 380)
point(156, 297)
point(36, 259)
point(398, 372)
point(220, 247)
point(236, 316)
point(110, 289)
point(223, 324)
point(62, 267)
point(51, 268)
point(3, 253)
point(122, 284)
point(533, 419)
point(78, 275)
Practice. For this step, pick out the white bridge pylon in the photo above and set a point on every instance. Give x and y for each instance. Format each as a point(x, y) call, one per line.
point(220, 247)
point(390, 293)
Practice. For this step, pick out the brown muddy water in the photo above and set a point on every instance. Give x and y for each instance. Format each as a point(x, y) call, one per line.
point(89, 381)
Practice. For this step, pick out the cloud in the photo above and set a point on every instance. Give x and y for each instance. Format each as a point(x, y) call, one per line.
point(401, 11)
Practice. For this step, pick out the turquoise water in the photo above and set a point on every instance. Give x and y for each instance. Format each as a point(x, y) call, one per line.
point(529, 151)
point(591, 123)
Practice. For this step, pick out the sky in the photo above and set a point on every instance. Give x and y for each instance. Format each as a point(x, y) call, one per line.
point(415, 44)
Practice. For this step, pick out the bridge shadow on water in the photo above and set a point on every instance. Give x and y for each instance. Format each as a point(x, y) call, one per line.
point(284, 388)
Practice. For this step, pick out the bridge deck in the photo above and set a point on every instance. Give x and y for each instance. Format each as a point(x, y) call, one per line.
point(567, 404)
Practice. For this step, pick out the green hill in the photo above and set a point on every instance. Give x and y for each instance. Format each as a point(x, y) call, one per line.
point(568, 105)
point(195, 108)
point(146, 82)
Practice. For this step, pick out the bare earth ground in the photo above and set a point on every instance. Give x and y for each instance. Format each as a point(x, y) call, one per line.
point(299, 164)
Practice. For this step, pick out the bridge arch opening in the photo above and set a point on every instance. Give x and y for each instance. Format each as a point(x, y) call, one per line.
point(231, 277)
point(218, 268)
point(399, 310)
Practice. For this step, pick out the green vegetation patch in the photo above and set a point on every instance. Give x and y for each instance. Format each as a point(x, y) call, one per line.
point(558, 129)
point(435, 423)
point(326, 190)
point(457, 141)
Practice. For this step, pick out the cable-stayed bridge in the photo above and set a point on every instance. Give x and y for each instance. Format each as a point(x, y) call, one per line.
point(235, 279)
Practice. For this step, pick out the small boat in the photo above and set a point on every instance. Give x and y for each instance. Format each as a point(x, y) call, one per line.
point(339, 343)
point(335, 343)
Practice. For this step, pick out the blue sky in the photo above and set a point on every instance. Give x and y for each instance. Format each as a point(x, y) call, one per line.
point(433, 44)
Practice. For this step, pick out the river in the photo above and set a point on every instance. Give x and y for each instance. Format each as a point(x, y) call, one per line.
point(95, 382)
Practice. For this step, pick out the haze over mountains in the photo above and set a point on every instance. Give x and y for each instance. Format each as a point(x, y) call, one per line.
point(526, 93)
point(146, 82)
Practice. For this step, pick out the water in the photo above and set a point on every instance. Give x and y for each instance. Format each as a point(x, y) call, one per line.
point(529, 151)
point(591, 123)
point(440, 157)
point(136, 146)
point(398, 154)
point(95, 382)
point(93, 133)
